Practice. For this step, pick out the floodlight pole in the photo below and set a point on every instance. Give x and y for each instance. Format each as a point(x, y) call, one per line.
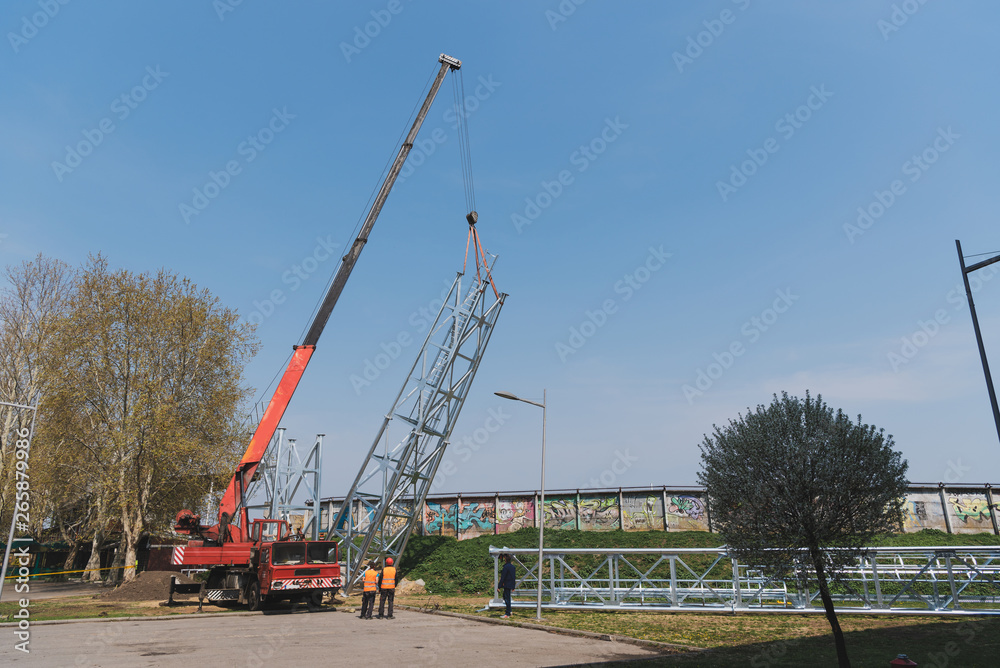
point(541, 509)
point(975, 324)
point(13, 517)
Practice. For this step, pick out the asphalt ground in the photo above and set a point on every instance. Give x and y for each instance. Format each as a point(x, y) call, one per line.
point(41, 590)
point(324, 638)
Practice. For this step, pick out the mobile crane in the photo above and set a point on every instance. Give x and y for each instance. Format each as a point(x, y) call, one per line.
point(260, 561)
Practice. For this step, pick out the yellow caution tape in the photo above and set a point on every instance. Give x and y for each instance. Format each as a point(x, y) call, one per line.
point(86, 570)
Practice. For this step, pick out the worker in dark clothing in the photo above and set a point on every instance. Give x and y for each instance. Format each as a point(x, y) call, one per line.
point(508, 580)
point(368, 595)
point(387, 588)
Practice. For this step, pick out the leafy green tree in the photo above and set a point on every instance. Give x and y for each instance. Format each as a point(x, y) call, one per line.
point(792, 479)
point(144, 397)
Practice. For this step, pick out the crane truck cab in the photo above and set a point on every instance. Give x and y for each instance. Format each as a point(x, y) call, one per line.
point(273, 565)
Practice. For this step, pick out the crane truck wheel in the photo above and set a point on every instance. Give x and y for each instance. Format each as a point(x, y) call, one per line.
point(254, 601)
point(314, 601)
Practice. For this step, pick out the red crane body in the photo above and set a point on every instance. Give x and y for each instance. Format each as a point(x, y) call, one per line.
point(260, 560)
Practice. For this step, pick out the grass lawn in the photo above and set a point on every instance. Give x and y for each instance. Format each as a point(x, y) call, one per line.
point(761, 640)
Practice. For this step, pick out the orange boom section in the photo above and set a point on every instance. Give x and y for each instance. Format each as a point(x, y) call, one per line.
point(232, 499)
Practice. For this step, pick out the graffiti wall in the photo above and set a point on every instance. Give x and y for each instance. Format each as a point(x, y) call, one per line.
point(476, 517)
point(560, 512)
point(686, 513)
point(642, 512)
point(599, 513)
point(923, 511)
point(969, 512)
point(515, 513)
point(439, 518)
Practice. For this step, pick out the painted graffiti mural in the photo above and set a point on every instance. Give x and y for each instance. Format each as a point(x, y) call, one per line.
point(923, 511)
point(447, 519)
point(475, 519)
point(599, 513)
point(439, 518)
point(970, 513)
point(686, 513)
point(514, 514)
point(642, 512)
point(560, 512)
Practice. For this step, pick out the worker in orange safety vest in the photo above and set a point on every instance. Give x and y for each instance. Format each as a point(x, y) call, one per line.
point(368, 594)
point(387, 588)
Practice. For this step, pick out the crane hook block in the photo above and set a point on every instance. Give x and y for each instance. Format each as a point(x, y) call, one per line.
point(472, 217)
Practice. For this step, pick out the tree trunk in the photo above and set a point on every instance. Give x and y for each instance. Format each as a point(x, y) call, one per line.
point(131, 533)
point(824, 592)
point(114, 575)
point(93, 572)
point(74, 550)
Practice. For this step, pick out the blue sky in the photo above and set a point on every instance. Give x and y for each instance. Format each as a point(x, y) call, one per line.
point(695, 205)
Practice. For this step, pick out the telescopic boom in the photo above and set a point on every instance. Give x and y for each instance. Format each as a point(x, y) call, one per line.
point(232, 499)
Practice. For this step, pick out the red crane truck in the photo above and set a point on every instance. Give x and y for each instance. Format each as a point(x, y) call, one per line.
point(259, 561)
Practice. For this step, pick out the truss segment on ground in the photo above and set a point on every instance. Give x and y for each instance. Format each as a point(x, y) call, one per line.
point(914, 580)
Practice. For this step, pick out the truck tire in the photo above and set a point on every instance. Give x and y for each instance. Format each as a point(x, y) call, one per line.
point(254, 600)
point(314, 601)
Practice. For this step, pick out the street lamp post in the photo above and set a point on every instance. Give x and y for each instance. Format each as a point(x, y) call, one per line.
point(541, 510)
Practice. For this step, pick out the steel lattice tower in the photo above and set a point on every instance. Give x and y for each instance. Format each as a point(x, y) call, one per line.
point(393, 482)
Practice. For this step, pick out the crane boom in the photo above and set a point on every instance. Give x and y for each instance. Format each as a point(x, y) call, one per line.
point(232, 499)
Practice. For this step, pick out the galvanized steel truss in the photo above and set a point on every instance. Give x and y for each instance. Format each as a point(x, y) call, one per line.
point(283, 473)
point(426, 408)
point(924, 580)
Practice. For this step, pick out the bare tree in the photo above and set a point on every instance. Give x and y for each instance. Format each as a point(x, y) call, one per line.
point(31, 305)
point(793, 479)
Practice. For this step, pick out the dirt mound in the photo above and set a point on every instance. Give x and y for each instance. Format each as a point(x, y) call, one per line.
point(149, 586)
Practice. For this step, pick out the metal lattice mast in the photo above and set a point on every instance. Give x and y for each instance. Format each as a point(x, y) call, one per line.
point(283, 472)
point(379, 512)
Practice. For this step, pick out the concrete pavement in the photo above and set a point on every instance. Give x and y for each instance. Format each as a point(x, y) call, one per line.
point(324, 638)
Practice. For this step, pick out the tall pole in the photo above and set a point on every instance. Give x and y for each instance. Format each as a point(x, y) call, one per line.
point(541, 525)
point(975, 324)
point(541, 496)
point(13, 518)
